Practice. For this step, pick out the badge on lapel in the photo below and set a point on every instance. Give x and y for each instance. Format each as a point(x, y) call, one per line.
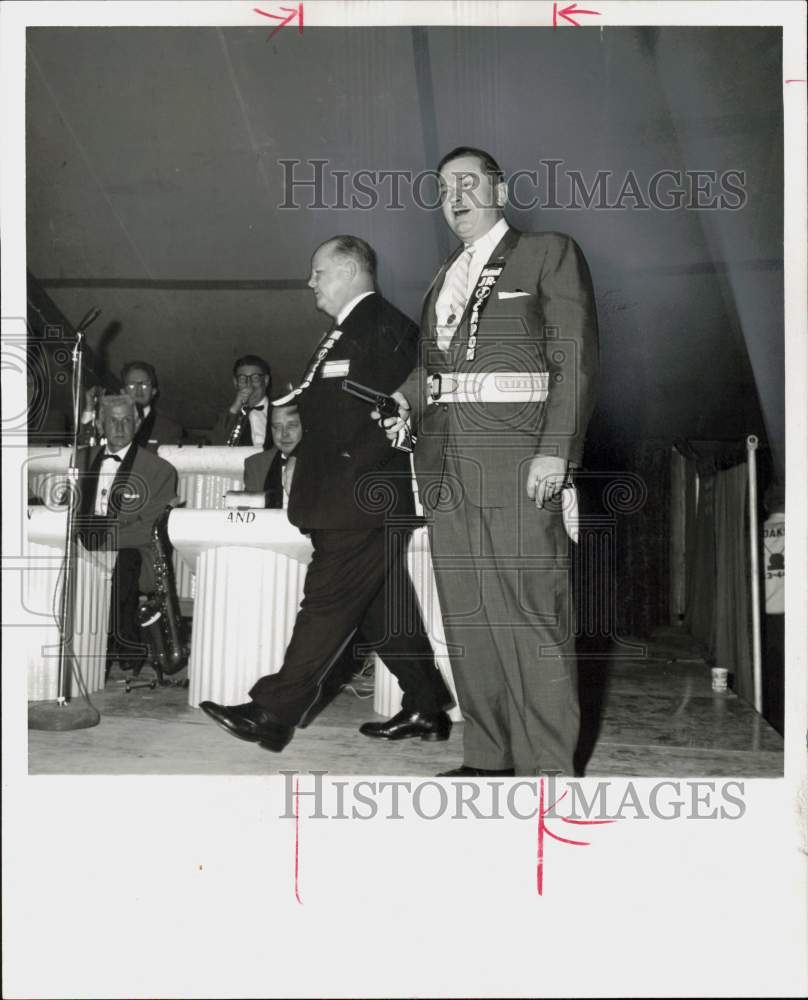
point(338, 368)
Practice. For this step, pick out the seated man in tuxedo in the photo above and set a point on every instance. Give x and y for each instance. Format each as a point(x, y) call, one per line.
point(139, 380)
point(245, 422)
point(122, 490)
point(270, 472)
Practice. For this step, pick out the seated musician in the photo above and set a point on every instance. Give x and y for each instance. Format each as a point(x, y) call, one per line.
point(122, 489)
point(270, 472)
point(245, 422)
point(139, 380)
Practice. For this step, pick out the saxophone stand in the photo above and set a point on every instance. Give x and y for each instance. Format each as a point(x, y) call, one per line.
point(64, 713)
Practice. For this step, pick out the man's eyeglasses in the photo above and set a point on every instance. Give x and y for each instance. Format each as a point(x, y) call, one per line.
point(138, 385)
point(255, 379)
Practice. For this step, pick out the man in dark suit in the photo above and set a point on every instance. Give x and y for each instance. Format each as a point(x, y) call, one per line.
point(353, 494)
point(123, 489)
point(270, 472)
point(139, 380)
point(500, 402)
point(245, 422)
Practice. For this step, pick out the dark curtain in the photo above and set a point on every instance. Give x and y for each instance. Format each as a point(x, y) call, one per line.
point(643, 547)
point(718, 562)
point(733, 618)
point(701, 571)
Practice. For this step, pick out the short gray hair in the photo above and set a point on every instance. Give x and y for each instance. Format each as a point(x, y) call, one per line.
point(108, 402)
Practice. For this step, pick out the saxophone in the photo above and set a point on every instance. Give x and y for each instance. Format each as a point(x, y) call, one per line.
point(238, 426)
point(159, 612)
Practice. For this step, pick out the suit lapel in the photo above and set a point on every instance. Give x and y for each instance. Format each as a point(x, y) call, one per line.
point(121, 481)
point(88, 485)
point(146, 428)
point(428, 322)
point(499, 255)
point(273, 483)
point(501, 252)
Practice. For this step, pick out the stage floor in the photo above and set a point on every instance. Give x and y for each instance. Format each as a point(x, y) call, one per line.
point(649, 715)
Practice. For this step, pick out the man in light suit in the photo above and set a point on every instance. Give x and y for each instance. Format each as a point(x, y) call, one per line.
point(352, 494)
point(270, 472)
point(123, 489)
point(500, 402)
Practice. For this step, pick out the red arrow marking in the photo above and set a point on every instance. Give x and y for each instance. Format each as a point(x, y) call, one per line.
point(291, 12)
point(297, 842)
point(544, 829)
point(572, 9)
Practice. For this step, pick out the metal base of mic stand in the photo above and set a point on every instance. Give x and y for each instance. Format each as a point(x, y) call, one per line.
point(56, 716)
point(64, 714)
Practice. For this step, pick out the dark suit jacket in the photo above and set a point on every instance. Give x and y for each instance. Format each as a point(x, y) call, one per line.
point(143, 487)
point(347, 475)
point(263, 474)
point(549, 325)
point(158, 429)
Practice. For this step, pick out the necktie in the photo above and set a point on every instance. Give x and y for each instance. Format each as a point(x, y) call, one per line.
point(115, 458)
point(455, 291)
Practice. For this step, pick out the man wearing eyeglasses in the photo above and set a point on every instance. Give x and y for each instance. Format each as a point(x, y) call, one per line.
point(140, 383)
point(139, 380)
point(252, 380)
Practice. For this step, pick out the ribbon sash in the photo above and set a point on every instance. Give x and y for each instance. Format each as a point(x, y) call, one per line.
point(489, 276)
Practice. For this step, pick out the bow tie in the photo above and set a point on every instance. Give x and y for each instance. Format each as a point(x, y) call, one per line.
point(249, 409)
point(106, 455)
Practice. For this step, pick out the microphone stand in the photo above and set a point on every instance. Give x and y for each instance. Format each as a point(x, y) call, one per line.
point(64, 714)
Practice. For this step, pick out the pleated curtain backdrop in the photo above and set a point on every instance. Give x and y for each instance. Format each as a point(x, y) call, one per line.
point(718, 567)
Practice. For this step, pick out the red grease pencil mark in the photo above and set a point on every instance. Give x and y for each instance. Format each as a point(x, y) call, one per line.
point(297, 842)
point(795, 80)
point(291, 11)
point(543, 828)
point(572, 9)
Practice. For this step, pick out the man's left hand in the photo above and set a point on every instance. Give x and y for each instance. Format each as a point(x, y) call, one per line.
point(546, 478)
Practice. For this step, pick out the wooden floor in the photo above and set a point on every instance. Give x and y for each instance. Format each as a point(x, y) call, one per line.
point(642, 716)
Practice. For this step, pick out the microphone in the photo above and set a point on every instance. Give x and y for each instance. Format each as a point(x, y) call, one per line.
point(90, 318)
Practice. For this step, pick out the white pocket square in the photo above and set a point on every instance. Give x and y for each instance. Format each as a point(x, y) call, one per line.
point(512, 295)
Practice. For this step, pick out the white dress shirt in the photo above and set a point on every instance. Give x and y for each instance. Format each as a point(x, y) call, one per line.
point(106, 476)
point(258, 423)
point(287, 471)
point(483, 248)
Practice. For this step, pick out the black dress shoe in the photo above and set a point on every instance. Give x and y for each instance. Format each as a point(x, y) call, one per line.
point(475, 772)
point(433, 727)
point(250, 722)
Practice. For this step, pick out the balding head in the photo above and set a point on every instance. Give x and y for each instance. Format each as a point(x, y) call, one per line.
point(341, 268)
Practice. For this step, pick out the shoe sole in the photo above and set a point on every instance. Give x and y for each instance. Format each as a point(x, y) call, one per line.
point(424, 737)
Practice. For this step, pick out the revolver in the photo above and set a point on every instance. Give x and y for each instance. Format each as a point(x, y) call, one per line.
point(387, 407)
